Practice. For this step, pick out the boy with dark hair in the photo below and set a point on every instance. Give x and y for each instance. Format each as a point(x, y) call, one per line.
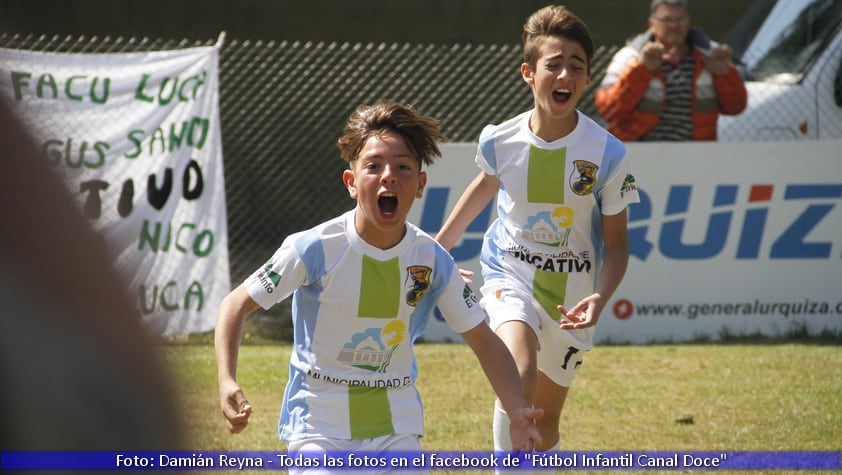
point(558, 248)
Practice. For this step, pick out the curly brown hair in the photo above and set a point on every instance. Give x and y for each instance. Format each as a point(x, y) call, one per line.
point(420, 132)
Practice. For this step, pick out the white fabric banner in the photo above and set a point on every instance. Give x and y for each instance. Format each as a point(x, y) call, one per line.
point(137, 138)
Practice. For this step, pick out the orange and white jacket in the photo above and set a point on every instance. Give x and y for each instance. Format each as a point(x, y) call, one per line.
point(631, 97)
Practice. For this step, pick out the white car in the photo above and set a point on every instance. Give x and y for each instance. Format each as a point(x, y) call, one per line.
point(790, 53)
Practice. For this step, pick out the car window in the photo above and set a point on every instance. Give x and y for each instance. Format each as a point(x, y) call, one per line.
point(789, 38)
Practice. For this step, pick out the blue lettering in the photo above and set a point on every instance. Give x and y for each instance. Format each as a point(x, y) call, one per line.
point(790, 244)
point(717, 232)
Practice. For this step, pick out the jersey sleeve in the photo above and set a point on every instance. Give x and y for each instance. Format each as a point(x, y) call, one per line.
point(279, 277)
point(486, 158)
point(458, 304)
point(620, 188)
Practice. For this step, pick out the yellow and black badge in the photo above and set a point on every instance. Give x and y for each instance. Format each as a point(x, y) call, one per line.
point(583, 178)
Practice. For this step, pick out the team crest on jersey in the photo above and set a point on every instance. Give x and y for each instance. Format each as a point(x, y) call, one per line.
point(372, 348)
point(268, 277)
point(420, 276)
point(629, 184)
point(583, 178)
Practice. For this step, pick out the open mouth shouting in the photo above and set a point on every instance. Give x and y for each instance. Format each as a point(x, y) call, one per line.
point(562, 95)
point(387, 203)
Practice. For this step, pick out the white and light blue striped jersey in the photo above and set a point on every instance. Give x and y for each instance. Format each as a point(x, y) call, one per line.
point(356, 312)
point(550, 204)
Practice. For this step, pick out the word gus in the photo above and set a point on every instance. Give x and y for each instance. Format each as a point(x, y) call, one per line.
point(82, 154)
point(790, 244)
point(192, 185)
point(97, 89)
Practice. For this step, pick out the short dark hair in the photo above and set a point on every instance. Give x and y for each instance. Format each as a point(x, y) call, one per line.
point(554, 20)
point(655, 3)
point(420, 132)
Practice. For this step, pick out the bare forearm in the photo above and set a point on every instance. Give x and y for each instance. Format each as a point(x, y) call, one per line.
point(611, 275)
point(476, 196)
point(229, 331)
point(499, 367)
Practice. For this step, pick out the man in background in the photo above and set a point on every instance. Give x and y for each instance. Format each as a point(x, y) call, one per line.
point(671, 82)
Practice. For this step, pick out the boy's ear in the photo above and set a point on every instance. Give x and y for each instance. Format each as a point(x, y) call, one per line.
point(422, 182)
point(350, 179)
point(527, 74)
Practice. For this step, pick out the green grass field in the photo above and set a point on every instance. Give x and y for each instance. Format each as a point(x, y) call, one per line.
point(695, 397)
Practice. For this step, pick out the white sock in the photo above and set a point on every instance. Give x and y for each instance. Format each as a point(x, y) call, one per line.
point(500, 427)
point(554, 448)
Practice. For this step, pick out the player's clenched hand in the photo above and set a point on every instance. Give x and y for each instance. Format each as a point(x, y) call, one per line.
point(585, 314)
point(524, 430)
point(235, 407)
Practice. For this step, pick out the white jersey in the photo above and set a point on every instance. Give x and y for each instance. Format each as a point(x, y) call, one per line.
point(552, 196)
point(356, 312)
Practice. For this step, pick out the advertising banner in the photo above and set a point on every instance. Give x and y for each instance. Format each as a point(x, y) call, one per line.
point(137, 139)
point(729, 239)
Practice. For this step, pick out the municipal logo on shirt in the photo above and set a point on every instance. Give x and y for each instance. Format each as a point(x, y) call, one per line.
point(583, 178)
point(551, 228)
point(372, 348)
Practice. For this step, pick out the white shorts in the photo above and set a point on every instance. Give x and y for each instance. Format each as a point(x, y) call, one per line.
point(358, 449)
point(560, 352)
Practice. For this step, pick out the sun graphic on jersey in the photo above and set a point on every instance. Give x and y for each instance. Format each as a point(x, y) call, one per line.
point(563, 217)
point(394, 333)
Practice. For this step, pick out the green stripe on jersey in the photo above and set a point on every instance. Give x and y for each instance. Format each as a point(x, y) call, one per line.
point(380, 288)
point(549, 289)
point(370, 412)
point(545, 177)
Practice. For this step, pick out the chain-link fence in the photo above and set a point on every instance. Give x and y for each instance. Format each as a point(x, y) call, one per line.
point(283, 105)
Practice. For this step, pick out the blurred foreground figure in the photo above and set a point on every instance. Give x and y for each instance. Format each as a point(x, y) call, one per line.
point(78, 371)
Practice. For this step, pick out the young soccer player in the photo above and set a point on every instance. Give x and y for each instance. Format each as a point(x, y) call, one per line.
point(364, 285)
point(558, 248)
